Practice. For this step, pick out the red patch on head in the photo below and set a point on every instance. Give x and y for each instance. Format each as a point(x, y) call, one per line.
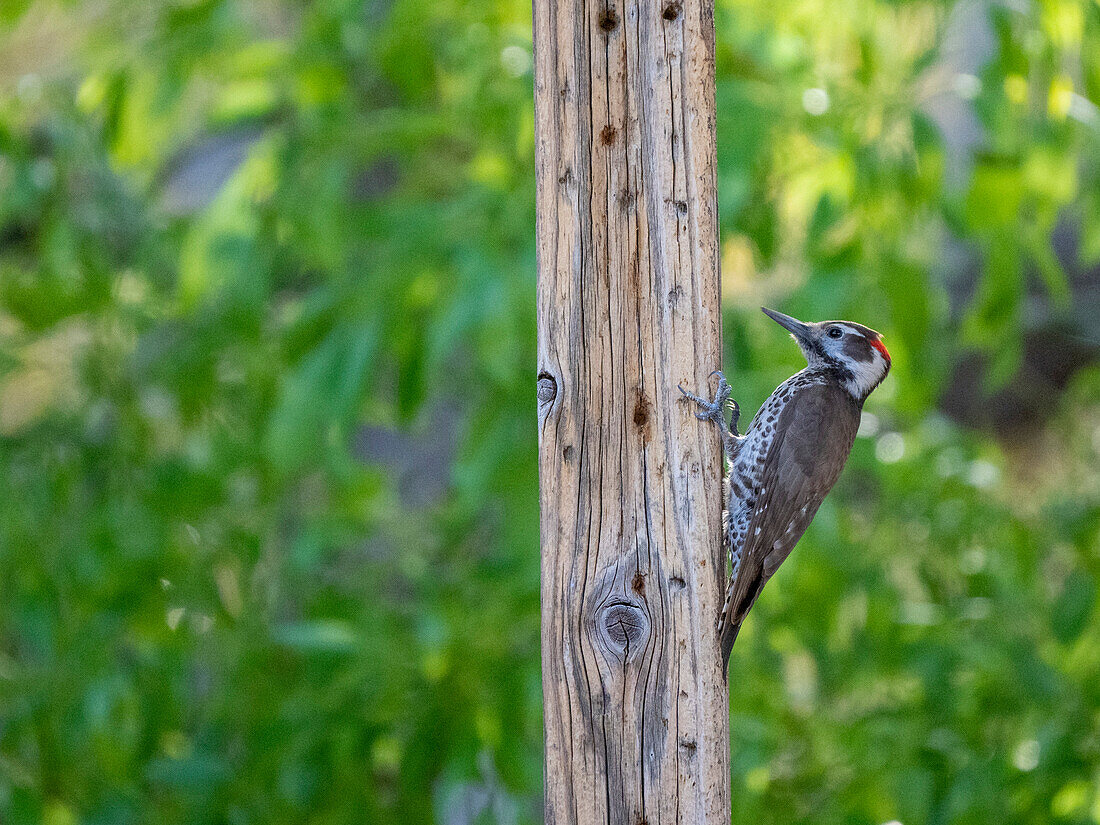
point(881, 347)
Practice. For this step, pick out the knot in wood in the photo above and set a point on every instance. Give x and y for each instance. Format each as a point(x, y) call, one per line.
point(609, 20)
point(623, 629)
point(641, 412)
point(547, 388)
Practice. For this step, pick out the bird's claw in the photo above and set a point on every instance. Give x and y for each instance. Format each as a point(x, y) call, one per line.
point(713, 410)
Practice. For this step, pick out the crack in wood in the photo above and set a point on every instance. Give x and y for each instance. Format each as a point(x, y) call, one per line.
point(628, 305)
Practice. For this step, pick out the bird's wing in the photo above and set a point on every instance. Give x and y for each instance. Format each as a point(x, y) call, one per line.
point(813, 437)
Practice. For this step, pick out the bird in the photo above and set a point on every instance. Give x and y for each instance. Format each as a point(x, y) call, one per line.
point(780, 470)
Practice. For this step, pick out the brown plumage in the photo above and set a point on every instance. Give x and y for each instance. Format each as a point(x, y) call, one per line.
point(812, 440)
point(793, 452)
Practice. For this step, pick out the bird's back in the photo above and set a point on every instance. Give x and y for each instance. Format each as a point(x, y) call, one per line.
point(790, 458)
point(747, 467)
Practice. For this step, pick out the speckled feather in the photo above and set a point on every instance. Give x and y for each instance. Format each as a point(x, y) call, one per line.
point(777, 479)
point(779, 472)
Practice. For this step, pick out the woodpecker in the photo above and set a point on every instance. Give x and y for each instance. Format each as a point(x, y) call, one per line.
point(778, 472)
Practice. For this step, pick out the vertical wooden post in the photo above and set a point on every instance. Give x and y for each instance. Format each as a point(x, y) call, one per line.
point(637, 718)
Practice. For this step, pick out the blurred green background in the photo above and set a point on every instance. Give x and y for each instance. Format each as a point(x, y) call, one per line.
point(268, 490)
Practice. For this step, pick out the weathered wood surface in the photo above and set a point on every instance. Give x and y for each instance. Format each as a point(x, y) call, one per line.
point(637, 724)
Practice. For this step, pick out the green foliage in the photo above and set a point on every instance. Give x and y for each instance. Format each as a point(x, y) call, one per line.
point(268, 510)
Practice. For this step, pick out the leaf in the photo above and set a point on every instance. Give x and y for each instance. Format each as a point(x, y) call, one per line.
point(317, 636)
point(1049, 268)
point(1072, 610)
point(324, 391)
point(12, 10)
point(995, 196)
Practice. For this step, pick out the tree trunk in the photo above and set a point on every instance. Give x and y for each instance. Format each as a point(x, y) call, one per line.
point(637, 716)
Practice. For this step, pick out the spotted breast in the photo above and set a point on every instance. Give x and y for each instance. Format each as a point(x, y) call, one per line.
point(777, 482)
point(779, 472)
point(746, 469)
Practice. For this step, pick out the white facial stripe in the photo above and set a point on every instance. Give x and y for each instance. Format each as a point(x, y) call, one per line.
point(866, 374)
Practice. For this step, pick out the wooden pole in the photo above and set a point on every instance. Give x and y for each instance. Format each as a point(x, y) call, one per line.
point(636, 711)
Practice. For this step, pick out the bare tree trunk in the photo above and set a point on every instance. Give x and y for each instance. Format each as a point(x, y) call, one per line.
point(637, 718)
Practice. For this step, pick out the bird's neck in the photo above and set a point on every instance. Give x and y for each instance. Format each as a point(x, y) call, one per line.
point(857, 384)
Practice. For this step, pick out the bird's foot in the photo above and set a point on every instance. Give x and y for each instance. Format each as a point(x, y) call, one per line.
point(715, 410)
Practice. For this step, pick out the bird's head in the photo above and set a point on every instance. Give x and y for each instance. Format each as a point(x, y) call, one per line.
point(854, 352)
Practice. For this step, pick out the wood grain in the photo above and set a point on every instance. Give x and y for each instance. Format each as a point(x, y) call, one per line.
point(636, 711)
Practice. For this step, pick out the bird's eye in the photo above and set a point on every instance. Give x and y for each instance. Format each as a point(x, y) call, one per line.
point(834, 332)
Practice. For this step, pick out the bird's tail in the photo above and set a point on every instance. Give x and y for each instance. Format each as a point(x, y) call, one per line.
point(740, 597)
point(728, 627)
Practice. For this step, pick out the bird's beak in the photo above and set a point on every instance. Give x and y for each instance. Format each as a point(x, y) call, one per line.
point(799, 330)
